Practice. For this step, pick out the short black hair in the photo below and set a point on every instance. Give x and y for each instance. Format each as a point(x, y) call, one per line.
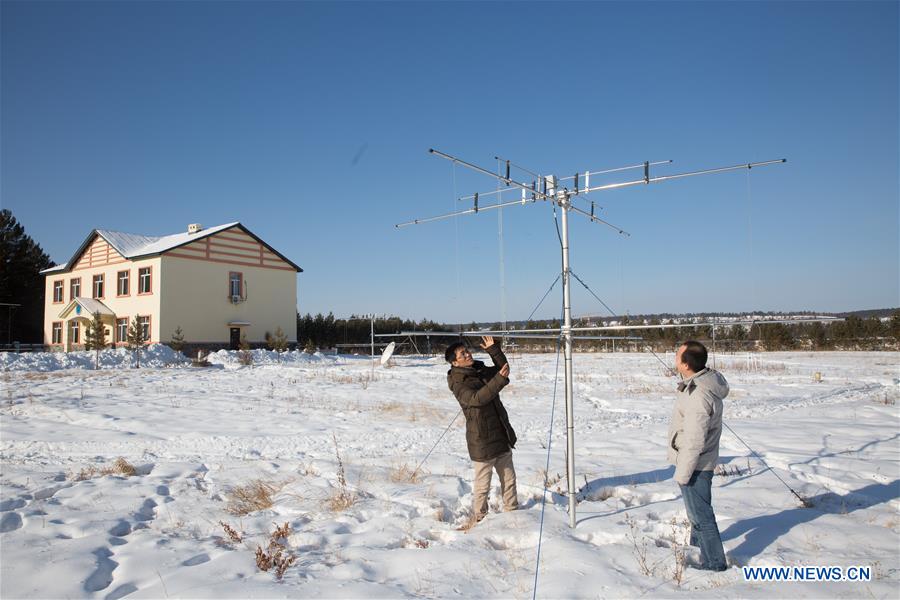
point(694, 355)
point(450, 352)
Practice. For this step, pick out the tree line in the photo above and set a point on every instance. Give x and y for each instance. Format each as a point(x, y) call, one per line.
point(853, 333)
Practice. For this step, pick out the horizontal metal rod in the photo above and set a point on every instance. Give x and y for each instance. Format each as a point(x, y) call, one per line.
point(491, 193)
point(458, 213)
point(598, 220)
point(519, 167)
point(518, 184)
point(612, 186)
point(674, 325)
point(617, 169)
point(506, 333)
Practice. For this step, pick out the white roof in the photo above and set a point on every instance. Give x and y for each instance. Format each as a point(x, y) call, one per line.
point(130, 245)
point(61, 267)
point(90, 306)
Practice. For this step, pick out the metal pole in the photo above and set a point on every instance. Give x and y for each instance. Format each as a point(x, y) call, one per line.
point(372, 338)
point(567, 340)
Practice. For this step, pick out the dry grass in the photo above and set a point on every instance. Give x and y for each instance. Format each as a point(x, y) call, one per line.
point(732, 470)
point(406, 474)
point(469, 522)
point(120, 466)
point(253, 496)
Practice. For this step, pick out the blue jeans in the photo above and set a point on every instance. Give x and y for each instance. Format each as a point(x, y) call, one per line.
point(697, 496)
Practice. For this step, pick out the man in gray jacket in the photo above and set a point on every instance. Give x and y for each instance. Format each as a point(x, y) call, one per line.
point(694, 434)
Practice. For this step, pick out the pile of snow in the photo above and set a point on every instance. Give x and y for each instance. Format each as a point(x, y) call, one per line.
point(155, 356)
point(232, 358)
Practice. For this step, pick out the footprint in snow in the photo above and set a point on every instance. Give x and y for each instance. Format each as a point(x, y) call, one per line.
point(147, 511)
point(121, 591)
point(10, 522)
point(11, 504)
point(196, 560)
point(120, 529)
point(102, 576)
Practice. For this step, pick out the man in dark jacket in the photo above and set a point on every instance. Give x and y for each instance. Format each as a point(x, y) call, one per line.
point(489, 436)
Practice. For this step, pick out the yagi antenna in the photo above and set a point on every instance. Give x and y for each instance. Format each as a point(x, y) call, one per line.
point(550, 188)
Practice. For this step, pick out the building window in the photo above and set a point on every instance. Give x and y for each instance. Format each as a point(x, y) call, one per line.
point(144, 324)
point(57, 291)
point(235, 283)
point(74, 288)
point(98, 286)
point(122, 329)
point(144, 283)
point(57, 332)
point(122, 283)
point(74, 338)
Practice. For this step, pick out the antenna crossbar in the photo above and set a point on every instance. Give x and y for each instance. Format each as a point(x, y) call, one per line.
point(613, 186)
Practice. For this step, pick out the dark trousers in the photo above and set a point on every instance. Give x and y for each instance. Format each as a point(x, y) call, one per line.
point(697, 496)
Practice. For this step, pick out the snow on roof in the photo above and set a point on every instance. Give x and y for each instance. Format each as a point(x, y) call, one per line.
point(90, 306)
point(131, 245)
point(61, 267)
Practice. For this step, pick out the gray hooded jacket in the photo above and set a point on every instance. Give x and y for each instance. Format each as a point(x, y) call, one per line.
point(696, 424)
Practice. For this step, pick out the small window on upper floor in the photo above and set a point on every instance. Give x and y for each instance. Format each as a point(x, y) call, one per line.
point(145, 284)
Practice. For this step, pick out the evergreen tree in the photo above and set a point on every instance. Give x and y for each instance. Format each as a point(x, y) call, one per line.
point(279, 341)
point(135, 339)
point(95, 338)
point(177, 343)
point(894, 325)
point(21, 261)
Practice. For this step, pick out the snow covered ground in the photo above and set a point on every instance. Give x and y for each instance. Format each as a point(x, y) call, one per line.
point(196, 436)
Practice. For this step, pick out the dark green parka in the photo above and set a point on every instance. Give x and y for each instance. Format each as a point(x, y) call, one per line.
point(477, 389)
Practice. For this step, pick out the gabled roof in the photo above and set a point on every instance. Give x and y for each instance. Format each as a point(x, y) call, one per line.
point(90, 306)
point(133, 246)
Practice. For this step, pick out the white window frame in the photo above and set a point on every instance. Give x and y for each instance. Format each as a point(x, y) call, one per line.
point(126, 279)
point(144, 324)
point(122, 336)
point(148, 273)
point(98, 283)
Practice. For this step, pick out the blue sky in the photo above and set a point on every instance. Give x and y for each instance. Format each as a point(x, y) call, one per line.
point(310, 123)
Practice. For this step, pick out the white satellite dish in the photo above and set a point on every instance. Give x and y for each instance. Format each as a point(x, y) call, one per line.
point(388, 352)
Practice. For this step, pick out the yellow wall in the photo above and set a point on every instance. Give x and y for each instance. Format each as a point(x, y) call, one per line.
point(195, 297)
point(127, 306)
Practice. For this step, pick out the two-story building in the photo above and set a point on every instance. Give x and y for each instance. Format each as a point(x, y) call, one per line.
point(217, 284)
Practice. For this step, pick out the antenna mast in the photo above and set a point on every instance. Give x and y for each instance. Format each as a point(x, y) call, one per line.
point(548, 189)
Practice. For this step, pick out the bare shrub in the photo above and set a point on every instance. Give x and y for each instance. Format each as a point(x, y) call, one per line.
point(253, 496)
point(274, 555)
point(680, 533)
point(233, 535)
point(281, 533)
point(638, 548)
point(342, 498)
point(245, 357)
